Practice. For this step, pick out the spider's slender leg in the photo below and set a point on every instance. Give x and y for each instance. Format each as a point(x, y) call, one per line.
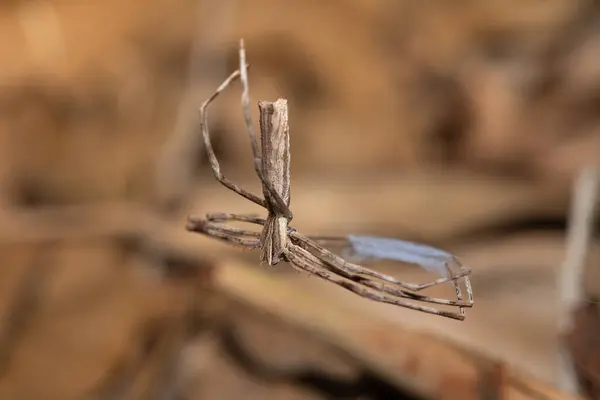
point(224, 217)
point(229, 234)
point(339, 262)
point(214, 163)
point(339, 266)
point(454, 276)
point(282, 207)
point(303, 260)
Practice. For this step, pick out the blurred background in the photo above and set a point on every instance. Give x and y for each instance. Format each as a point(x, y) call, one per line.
point(463, 124)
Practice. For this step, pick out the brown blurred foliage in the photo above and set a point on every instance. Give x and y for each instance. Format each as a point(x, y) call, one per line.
point(584, 345)
point(90, 90)
point(90, 94)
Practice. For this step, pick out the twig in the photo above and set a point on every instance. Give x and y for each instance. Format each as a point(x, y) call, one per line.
point(570, 292)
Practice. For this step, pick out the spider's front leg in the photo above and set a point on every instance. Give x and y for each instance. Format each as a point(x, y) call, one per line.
point(236, 236)
point(214, 163)
point(226, 217)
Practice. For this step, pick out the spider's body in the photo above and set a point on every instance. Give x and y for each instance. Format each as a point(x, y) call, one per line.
point(275, 163)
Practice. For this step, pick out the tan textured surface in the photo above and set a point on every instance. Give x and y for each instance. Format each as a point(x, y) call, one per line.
point(436, 121)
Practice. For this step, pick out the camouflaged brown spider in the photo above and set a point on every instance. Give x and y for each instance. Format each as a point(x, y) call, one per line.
point(278, 241)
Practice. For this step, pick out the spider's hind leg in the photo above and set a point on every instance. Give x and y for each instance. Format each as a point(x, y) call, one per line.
point(303, 260)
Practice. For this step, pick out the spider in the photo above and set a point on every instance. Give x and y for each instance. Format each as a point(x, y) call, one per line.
point(278, 241)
